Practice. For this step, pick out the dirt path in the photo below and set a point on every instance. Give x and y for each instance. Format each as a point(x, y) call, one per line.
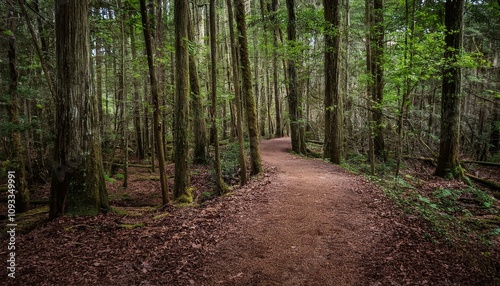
point(312, 227)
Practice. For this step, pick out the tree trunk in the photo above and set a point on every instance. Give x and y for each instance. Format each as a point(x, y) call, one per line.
point(182, 193)
point(220, 186)
point(375, 45)
point(448, 164)
point(247, 94)
point(199, 129)
point(137, 98)
point(123, 91)
point(239, 112)
point(294, 99)
point(274, 11)
point(22, 195)
point(333, 99)
point(157, 123)
point(78, 185)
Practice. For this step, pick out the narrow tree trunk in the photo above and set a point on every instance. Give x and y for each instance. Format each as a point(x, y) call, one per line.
point(274, 11)
point(377, 45)
point(333, 99)
point(123, 91)
point(370, 83)
point(247, 94)
point(182, 193)
point(200, 133)
point(408, 61)
point(294, 99)
point(137, 97)
point(78, 185)
point(39, 51)
point(220, 186)
point(448, 164)
point(22, 195)
point(157, 123)
point(239, 112)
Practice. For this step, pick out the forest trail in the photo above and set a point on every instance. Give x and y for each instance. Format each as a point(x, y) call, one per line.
point(312, 228)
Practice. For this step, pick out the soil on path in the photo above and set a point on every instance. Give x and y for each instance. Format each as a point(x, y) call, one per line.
point(317, 224)
point(311, 229)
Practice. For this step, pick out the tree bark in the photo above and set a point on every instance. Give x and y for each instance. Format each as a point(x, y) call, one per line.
point(333, 99)
point(137, 97)
point(375, 51)
point(182, 193)
point(247, 94)
point(294, 99)
point(448, 164)
point(274, 11)
point(157, 122)
point(220, 186)
point(378, 76)
point(199, 129)
point(22, 195)
point(78, 185)
point(239, 112)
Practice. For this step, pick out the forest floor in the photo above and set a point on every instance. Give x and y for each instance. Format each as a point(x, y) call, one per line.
point(302, 222)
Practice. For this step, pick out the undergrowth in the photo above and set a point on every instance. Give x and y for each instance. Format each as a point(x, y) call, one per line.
point(453, 214)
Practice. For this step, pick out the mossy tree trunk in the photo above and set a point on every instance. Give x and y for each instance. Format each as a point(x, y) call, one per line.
point(448, 164)
point(181, 118)
point(333, 99)
point(239, 111)
point(220, 186)
point(157, 122)
point(78, 186)
point(274, 21)
point(297, 129)
point(375, 51)
point(137, 97)
point(198, 112)
point(246, 91)
point(22, 196)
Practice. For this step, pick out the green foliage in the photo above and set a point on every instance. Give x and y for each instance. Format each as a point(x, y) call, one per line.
point(109, 179)
point(229, 160)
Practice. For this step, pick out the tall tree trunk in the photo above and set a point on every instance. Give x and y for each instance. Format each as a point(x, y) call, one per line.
point(137, 97)
point(370, 82)
point(181, 119)
point(198, 112)
point(220, 186)
point(294, 99)
point(157, 123)
point(377, 45)
point(239, 111)
point(123, 105)
point(22, 195)
point(78, 185)
point(333, 99)
point(408, 62)
point(247, 94)
point(274, 11)
point(448, 164)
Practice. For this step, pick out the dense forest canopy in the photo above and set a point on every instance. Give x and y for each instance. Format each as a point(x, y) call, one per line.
point(362, 78)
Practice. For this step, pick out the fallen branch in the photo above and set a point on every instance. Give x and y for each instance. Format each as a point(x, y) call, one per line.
point(315, 142)
point(461, 162)
point(481, 163)
point(488, 183)
point(118, 164)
